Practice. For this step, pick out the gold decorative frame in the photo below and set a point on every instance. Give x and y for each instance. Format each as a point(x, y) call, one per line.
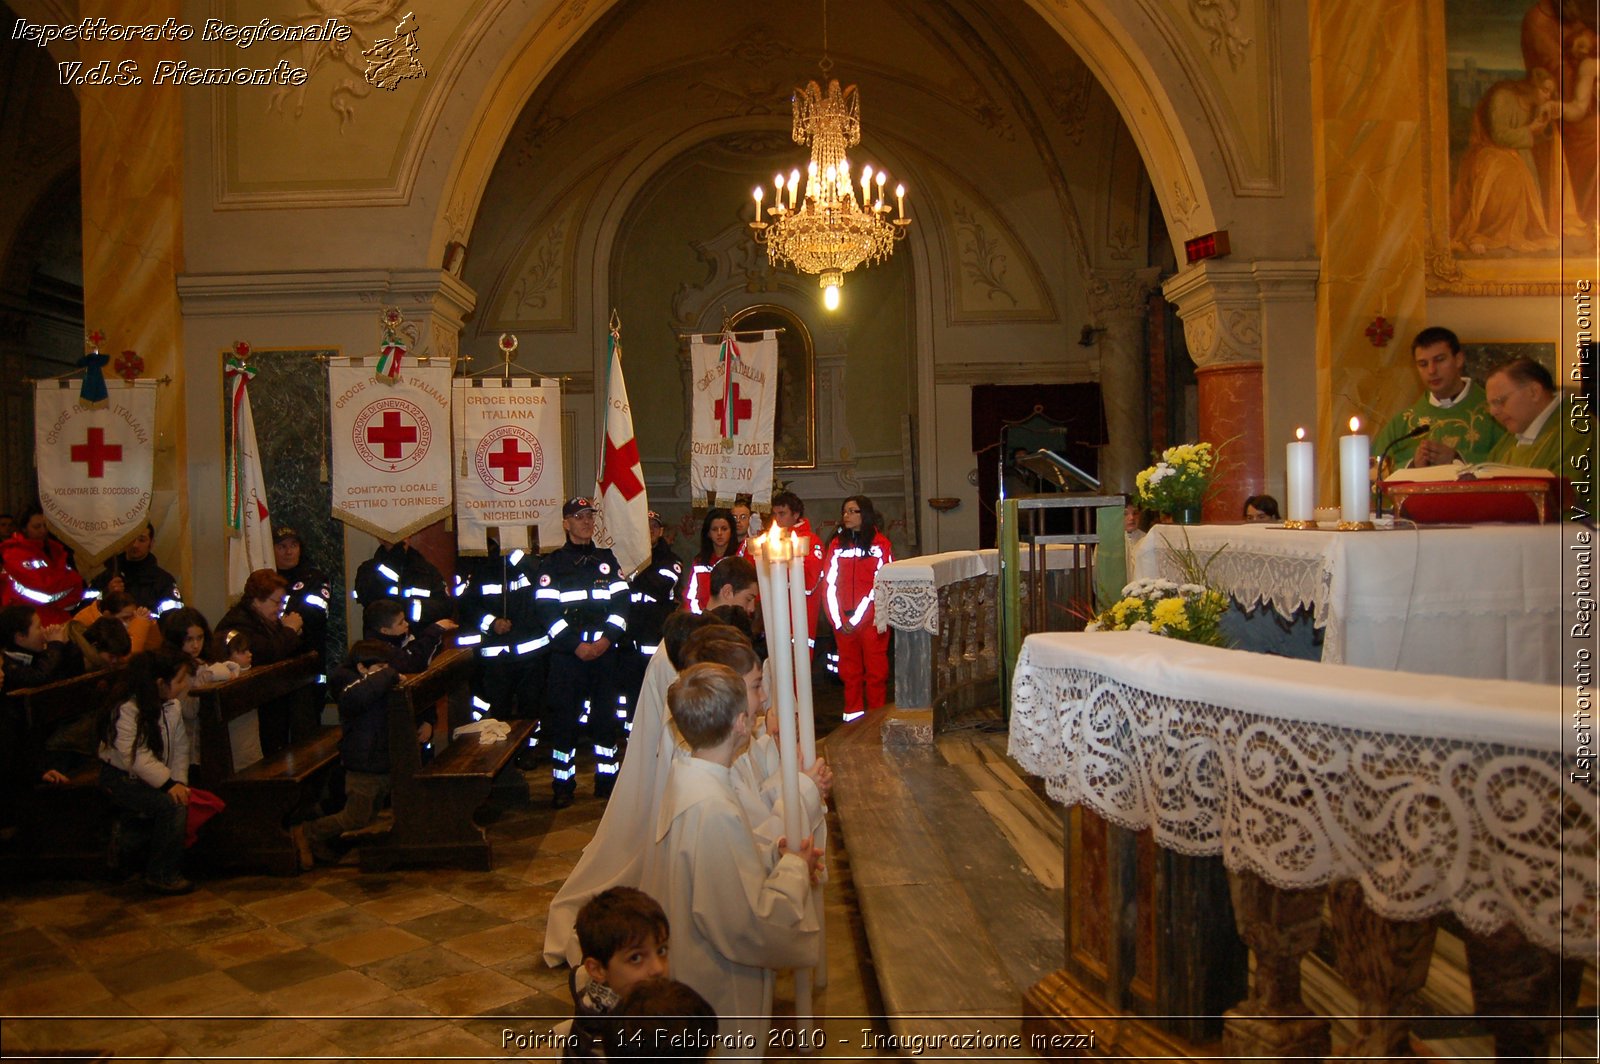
point(797, 357)
point(1445, 273)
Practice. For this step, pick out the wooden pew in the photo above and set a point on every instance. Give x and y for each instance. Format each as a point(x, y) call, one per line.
point(62, 828)
point(434, 803)
point(261, 792)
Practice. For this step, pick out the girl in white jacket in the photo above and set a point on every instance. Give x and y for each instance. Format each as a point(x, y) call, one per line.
point(145, 750)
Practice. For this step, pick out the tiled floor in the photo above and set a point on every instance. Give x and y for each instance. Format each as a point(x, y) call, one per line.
point(333, 963)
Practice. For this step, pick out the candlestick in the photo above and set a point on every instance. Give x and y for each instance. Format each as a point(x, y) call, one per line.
point(1355, 489)
point(1302, 478)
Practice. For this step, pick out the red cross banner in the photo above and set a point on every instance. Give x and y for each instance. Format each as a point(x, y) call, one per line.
point(507, 462)
point(735, 408)
point(623, 523)
point(95, 465)
point(391, 446)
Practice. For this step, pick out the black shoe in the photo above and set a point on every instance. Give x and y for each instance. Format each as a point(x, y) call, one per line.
point(177, 885)
point(603, 783)
point(565, 795)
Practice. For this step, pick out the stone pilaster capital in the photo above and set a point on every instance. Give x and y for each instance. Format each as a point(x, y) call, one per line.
point(1120, 293)
point(1220, 306)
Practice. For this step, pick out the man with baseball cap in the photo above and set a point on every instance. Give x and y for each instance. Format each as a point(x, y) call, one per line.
point(581, 602)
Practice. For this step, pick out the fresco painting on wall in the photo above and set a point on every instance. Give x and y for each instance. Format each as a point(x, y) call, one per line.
point(1513, 132)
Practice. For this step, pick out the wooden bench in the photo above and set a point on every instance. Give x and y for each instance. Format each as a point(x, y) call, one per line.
point(63, 829)
point(260, 792)
point(434, 803)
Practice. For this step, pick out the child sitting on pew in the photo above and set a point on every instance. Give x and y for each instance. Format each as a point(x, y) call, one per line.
point(739, 910)
point(144, 748)
point(187, 629)
point(623, 934)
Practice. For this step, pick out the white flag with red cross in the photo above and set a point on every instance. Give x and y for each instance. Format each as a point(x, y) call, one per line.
point(735, 409)
point(623, 520)
point(390, 446)
point(508, 462)
point(96, 465)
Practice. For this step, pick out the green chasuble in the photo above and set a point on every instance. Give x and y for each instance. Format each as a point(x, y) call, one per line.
point(1563, 436)
point(1467, 426)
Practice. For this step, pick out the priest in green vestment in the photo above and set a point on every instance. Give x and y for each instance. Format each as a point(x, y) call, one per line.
point(1460, 427)
point(1545, 429)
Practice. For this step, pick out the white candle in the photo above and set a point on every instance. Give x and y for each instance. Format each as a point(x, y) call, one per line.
point(805, 722)
point(774, 559)
point(1355, 492)
point(1302, 478)
point(758, 203)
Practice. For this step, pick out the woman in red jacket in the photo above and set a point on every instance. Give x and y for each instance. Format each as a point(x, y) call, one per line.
point(39, 574)
point(849, 572)
point(718, 540)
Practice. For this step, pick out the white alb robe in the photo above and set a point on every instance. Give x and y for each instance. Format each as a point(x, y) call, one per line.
point(737, 910)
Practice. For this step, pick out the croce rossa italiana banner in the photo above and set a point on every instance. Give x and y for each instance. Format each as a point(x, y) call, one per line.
point(735, 408)
point(95, 464)
point(391, 446)
point(508, 462)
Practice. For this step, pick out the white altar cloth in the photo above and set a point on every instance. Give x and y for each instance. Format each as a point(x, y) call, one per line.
point(1483, 601)
point(1435, 794)
point(908, 590)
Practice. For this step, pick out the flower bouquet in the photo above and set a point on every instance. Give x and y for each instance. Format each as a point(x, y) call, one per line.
point(1177, 483)
point(1190, 612)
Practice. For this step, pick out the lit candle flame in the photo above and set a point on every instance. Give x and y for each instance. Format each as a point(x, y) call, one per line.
point(1355, 424)
point(1299, 434)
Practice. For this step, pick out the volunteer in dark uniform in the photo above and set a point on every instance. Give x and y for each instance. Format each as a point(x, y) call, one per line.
point(398, 571)
point(582, 603)
point(494, 596)
point(654, 597)
point(309, 593)
point(135, 572)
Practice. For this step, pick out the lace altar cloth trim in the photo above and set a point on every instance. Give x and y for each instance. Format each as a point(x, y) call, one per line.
point(907, 607)
point(1489, 832)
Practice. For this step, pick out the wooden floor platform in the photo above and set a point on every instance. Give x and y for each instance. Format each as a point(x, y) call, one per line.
point(957, 868)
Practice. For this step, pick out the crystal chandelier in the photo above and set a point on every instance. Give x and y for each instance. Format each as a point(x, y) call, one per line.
point(828, 231)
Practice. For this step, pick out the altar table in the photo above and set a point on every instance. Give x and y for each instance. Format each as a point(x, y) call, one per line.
point(1483, 601)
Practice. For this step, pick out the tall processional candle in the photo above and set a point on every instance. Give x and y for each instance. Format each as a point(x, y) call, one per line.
point(775, 609)
point(1302, 475)
point(1355, 489)
point(805, 721)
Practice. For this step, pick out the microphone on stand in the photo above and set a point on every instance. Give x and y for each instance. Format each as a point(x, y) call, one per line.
point(1420, 430)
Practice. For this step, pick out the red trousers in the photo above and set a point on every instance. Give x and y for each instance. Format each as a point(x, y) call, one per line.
point(864, 668)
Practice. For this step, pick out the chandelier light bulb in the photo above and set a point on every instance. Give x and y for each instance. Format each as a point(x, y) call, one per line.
point(830, 297)
point(758, 202)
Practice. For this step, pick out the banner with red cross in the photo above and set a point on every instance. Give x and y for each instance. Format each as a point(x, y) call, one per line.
point(735, 409)
point(508, 462)
point(391, 446)
point(95, 464)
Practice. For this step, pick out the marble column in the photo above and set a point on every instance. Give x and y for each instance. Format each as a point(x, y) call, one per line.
point(1117, 304)
point(1220, 305)
point(131, 148)
point(311, 310)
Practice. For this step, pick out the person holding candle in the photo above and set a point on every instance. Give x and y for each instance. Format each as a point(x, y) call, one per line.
point(739, 910)
point(1453, 406)
point(718, 540)
point(1543, 428)
point(850, 572)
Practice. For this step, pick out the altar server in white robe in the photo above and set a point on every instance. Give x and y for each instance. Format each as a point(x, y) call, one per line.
point(619, 853)
point(739, 909)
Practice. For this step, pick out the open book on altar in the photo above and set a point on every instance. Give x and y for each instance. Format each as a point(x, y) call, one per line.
point(1459, 493)
point(1462, 471)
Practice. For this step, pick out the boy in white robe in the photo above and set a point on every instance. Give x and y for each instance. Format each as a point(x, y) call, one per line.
point(738, 910)
point(616, 856)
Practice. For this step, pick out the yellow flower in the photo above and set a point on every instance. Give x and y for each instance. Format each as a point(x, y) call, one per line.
point(1169, 613)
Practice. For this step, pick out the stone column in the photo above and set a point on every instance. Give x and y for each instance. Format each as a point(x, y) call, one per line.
point(1220, 306)
point(1117, 303)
